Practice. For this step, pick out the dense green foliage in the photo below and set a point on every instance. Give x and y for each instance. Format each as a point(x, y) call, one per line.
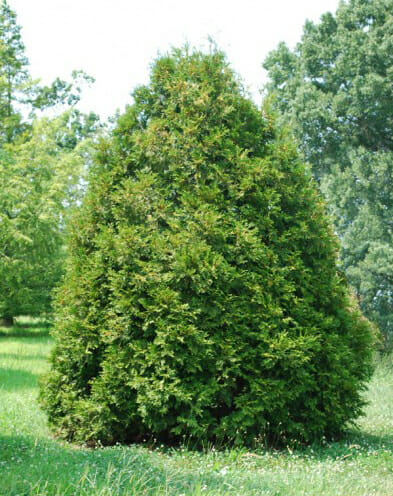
point(202, 298)
point(41, 166)
point(336, 90)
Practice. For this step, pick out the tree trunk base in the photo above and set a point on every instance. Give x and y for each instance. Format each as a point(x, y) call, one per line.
point(6, 321)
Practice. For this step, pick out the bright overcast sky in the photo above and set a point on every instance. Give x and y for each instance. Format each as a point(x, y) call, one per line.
point(116, 40)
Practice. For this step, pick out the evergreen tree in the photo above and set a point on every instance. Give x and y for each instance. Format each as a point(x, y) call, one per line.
point(335, 89)
point(201, 297)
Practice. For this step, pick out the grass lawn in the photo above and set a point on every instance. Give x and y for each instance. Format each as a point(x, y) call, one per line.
point(32, 463)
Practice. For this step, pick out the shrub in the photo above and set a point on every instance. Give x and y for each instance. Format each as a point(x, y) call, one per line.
point(202, 298)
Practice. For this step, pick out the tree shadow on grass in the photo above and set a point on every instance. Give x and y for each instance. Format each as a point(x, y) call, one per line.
point(375, 441)
point(25, 331)
point(16, 356)
point(12, 380)
point(355, 443)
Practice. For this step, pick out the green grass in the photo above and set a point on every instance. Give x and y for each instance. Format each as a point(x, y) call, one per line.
point(32, 463)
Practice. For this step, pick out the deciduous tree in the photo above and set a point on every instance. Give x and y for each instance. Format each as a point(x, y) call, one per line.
point(41, 162)
point(40, 179)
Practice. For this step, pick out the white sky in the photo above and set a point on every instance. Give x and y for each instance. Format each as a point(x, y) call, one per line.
point(115, 41)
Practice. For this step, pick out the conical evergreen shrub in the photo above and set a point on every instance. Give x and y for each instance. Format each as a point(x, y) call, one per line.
point(202, 298)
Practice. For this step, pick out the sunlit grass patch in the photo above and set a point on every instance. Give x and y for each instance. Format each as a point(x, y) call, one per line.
point(27, 327)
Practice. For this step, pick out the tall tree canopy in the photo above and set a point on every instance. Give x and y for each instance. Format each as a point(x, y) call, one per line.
point(335, 88)
point(202, 297)
point(40, 178)
point(41, 163)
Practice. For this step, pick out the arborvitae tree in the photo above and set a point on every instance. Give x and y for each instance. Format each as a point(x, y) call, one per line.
point(202, 298)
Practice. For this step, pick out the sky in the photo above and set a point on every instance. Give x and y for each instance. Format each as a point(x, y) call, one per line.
point(115, 41)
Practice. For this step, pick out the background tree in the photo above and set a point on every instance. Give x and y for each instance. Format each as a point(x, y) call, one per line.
point(361, 201)
point(40, 179)
point(14, 76)
point(201, 297)
point(336, 90)
point(41, 163)
point(20, 95)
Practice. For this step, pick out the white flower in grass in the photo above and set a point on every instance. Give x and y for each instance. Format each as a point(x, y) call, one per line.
point(223, 471)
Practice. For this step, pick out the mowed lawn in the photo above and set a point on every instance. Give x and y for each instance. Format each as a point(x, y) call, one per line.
point(33, 463)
